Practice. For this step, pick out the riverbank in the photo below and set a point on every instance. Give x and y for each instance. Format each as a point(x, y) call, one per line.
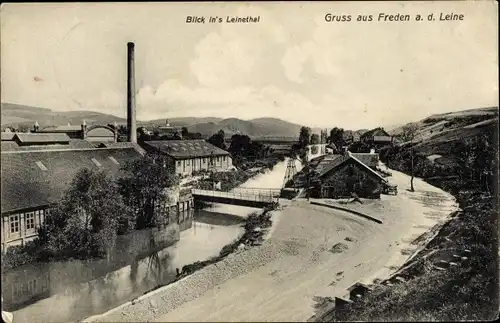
point(453, 277)
point(313, 251)
point(256, 227)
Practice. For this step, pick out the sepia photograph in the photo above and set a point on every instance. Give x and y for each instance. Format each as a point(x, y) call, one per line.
point(302, 161)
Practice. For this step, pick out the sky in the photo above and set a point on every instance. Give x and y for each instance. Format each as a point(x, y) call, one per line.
point(292, 64)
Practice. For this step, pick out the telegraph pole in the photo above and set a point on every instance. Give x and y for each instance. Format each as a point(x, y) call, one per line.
point(306, 167)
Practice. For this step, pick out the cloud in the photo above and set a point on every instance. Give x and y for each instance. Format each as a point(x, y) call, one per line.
point(228, 66)
point(292, 64)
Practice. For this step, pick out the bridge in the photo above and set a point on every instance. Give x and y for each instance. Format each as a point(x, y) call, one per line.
point(249, 197)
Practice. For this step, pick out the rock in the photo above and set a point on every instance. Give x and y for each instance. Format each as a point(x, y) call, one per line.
point(152, 303)
point(338, 248)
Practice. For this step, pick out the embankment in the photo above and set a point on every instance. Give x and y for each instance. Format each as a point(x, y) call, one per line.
point(455, 277)
point(190, 283)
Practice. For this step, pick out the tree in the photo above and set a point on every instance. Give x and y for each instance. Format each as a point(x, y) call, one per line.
point(23, 128)
point(122, 130)
point(239, 144)
point(476, 156)
point(337, 137)
point(142, 134)
point(304, 136)
point(217, 139)
point(86, 221)
point(408, 134)
point(145, 187)
point(314, 139)
point(185, 132)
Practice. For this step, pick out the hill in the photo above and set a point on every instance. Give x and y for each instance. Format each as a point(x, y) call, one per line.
point(183, 121)
point(17, 115)
point(262, 127)
point(442, 134)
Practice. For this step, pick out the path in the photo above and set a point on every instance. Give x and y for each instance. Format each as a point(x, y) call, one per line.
point(278, 280)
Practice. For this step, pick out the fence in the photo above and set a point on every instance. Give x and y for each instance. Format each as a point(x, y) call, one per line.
point(247, 194)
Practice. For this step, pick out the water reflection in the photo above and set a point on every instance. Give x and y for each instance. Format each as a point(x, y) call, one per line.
point(73, 290)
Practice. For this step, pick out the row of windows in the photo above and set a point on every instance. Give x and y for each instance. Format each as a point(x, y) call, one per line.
point(26, 288)
point(29, 220)
point(204, 160)
point(95, 161)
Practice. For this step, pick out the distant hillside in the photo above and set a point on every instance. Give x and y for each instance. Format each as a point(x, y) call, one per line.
point(254, 128)
point(15, 115)
point(183, 121)
point(440, 133)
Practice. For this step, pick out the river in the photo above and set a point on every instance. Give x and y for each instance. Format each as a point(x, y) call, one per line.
point(72, 290)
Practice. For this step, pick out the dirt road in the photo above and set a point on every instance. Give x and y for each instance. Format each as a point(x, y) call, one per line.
point(278, 280)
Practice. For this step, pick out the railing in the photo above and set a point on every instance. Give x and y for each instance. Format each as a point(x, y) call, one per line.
point(247, 194)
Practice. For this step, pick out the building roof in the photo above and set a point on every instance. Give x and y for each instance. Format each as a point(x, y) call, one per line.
point(357, 285)
point(375, 132)
point(186, 148)
point(61, 129)
point(334, 161)
point(7, 135)
point(330, 162)
point(123, 144)
point(100, 132)
point(35, 178)
point(72, 144)
point(41, 138)
point(368, 159)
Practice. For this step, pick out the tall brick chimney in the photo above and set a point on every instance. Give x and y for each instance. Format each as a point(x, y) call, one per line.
point(131, 122)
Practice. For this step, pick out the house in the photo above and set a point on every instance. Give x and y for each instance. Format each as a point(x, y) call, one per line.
point(168, 131)
point(337, 176)
point(188, 156)
point(36, 169)
point(377, 136)
point(93, 133)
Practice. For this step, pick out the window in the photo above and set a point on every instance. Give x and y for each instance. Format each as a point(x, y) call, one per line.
point(14, 223)
point(217, 158)
point(114, 160)
point(30, 220)
point(179, 163)
point(18, 290)
point(187, 162)
point(224, 158)
point(204, 160)
point(39, 214)
point(31, 286)
point(40, 165)
point(98, 164)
